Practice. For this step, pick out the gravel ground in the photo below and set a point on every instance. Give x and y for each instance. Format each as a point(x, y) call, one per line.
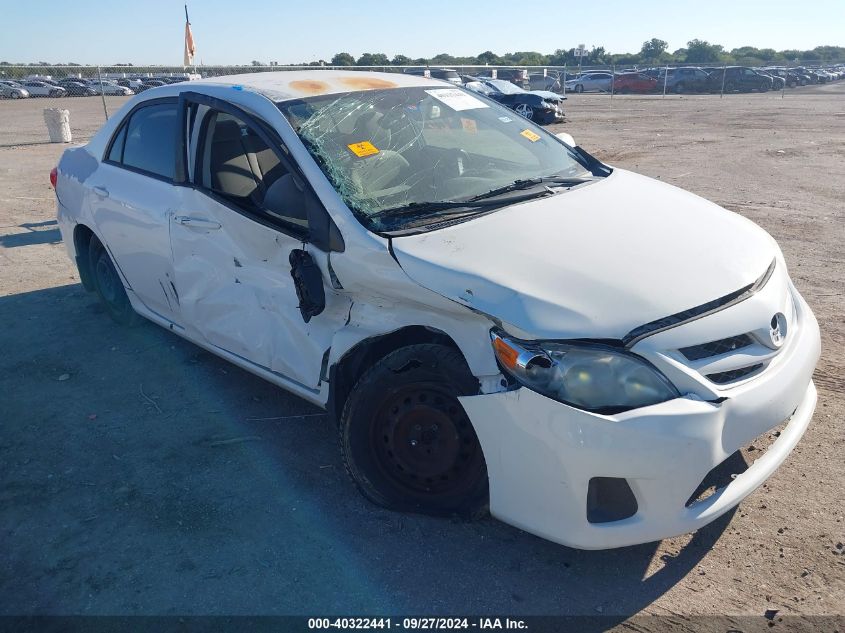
point(141, 475)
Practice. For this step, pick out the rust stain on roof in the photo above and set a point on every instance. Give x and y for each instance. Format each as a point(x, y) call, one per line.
point(366, 83)
point(310, 86)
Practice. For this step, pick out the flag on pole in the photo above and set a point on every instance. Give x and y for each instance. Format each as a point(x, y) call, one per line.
point(190, 49)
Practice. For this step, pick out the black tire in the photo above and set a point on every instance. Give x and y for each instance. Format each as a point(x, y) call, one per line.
point(625, 91)
point(764, 87)
point(730, 87)
point(679, 88)
point(406, 441)
point(14, 95)
point(109, 286)
point(579, 88)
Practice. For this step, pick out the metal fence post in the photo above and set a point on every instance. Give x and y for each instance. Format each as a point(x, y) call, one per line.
point(563, 80)
point(102, 93)
point(612, 81)
point(724, 72)
point(665, 79)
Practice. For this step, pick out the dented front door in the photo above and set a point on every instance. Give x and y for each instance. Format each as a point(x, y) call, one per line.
point(236, 290)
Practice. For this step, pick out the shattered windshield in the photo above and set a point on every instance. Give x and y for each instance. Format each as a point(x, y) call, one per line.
point(409, 148)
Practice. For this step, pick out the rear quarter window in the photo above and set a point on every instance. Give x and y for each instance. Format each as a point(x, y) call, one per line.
point(147, 142)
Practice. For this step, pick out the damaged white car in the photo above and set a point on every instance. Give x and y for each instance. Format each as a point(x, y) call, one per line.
point(493, 315)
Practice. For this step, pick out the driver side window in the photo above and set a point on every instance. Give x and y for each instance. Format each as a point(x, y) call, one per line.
point(236, 164)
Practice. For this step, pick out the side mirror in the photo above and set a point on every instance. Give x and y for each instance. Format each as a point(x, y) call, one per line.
point(566, 138)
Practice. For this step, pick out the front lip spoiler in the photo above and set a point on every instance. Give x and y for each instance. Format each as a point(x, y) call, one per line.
point(674, 320)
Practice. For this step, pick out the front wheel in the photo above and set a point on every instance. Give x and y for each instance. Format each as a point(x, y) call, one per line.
point(764, 87)
point(15, 95)
point(109, 286)
point(679, 88)
point(579, 88)
point(524, 110)
point(405, 438)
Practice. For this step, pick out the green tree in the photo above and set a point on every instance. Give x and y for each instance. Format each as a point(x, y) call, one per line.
point(701, 51)
point(401, 60)
point(488, 57)
point(373, 59)
point(442, 59)
point(653, 49)
point(343, 59)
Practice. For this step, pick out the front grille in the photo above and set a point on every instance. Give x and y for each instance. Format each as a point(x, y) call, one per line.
point(714, 348)
point(725, 377)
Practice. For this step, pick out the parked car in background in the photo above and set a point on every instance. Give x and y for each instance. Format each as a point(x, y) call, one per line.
point(12, 90)
point(111, 88)
point(627, 83)
point(791, 78)
point(597, 81)
point(43, 89)
point(739, 79)
point(540, 106)
point(153, 83)
point(516, 76)
point(549, 82)
point(778, 82)
point(446, 74)
point(77, 88)
point(571, 345)
point(682, 80)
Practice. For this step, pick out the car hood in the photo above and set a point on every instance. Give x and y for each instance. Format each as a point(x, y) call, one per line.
point(547, 95)
point(593, 262)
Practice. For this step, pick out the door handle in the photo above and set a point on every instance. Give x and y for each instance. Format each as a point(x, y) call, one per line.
point(101, 191)
point(197, 223)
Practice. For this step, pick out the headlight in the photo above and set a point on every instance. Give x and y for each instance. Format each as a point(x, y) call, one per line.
point(588, 376)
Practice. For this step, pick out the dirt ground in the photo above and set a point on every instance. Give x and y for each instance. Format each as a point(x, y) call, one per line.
point(141, 475)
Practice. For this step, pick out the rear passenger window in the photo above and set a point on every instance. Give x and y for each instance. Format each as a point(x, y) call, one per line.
point(149, 140)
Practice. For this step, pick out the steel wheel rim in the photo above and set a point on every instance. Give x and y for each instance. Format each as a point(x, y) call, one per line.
point(424, 443)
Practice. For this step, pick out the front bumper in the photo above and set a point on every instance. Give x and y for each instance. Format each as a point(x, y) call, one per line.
point(541, 454)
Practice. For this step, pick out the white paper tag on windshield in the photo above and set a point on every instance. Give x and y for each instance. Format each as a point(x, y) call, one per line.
point(457, 99)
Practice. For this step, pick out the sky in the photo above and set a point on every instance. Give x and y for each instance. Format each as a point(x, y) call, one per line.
point(226, 32)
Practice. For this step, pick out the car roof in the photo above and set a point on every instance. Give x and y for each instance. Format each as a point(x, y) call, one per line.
point(297, 84)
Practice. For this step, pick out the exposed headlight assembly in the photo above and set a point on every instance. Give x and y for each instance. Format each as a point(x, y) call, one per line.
point(588, 376)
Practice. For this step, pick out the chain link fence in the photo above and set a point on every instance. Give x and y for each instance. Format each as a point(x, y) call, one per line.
point(92, 93)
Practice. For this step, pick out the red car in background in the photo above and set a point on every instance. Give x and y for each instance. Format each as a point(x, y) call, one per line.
point(626, 83)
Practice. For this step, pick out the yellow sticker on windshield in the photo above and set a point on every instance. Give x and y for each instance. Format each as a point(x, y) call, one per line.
point(364, 148)
point(531, 136)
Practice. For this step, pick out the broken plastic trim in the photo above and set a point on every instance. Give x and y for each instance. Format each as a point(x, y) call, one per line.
point(692, 314)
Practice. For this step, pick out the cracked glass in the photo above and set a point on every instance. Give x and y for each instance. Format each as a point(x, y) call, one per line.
point(394, 148)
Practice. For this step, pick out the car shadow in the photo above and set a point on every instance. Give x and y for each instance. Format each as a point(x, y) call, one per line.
point(35, 234)
point(144, 475)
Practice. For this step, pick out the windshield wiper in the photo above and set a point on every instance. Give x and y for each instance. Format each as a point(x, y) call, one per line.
point(492, 198)
point(528, 183)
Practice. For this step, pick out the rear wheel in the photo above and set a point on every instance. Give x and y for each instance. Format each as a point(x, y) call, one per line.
point(15, 95)
point(407, 442)
point(109, 285)
point(764, 87)
point(730, 86)
point(579, 88)
point(679, 88)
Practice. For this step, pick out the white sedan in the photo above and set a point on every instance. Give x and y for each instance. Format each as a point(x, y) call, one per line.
point(590, 82)
point(110, 88)
point(42, 89)
point(494, 316)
